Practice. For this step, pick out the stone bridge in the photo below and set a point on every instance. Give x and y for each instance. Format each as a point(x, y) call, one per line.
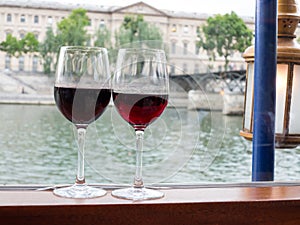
point(223, 91)
point(230, 81)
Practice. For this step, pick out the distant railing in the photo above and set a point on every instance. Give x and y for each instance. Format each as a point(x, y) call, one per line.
point(230, 81)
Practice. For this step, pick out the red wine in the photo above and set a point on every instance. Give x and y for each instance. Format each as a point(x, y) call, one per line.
point(81, 105)
point(140, 110)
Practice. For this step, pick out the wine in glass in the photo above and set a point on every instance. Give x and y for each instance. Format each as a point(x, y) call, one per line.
point(140, 94)
point(82, 91)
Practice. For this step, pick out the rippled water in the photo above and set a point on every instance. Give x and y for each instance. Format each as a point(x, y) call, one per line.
point(38, 147)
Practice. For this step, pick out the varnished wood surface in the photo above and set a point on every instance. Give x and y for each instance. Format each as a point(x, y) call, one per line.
point(213, 205)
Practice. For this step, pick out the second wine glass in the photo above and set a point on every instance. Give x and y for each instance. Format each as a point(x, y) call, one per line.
point(140, 94)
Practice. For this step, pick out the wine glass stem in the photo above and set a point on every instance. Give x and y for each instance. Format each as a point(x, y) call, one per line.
point(138, 180)
point(80, 179)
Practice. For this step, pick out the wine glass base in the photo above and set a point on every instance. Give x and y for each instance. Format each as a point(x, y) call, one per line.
point(79, 191)
point(137, 194)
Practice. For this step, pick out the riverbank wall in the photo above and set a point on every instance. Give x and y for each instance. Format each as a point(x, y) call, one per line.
point(229, 103)
point(23, 88)
point(38, 89)
point(31, 99)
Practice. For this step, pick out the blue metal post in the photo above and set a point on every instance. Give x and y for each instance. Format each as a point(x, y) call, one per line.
point(264, 90)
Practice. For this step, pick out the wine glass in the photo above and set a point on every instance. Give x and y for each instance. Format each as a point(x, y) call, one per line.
point(82, 91)
point(140, 94)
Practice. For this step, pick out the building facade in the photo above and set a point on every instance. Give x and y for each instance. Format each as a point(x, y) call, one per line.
point(179, 30)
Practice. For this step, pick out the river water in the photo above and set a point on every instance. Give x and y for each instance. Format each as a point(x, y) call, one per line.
point(38, 146)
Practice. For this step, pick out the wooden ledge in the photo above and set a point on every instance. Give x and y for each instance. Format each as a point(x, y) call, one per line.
point(204, 205)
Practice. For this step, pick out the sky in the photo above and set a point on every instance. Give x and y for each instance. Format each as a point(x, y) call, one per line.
point(241, 7)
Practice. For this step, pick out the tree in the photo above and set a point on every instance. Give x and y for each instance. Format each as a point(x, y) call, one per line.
point(71, 30)
point(14, 47)
point(224, 34)
point(49, 49)
point(29, 43)
point(11, 46)
point(135, 29)
point(103, 38)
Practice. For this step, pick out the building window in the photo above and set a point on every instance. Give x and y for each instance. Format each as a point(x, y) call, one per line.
point(36, 36)
point(173, 47)
point(8, 33)
point(34, 63)
point(185, 29)
point(185, 48)
point(21, 63)
point(219, 68)
point(22, 35)
point(7, 62)
point(102, 24)
point(8, 17)
point(196, 49)
point(172, 70)
point(36, 19)
point(198, 31)
point(174, 28)
point(90, 22)
point(49, 20)
point(184, 67)
point(196, 69)
point(22, 18)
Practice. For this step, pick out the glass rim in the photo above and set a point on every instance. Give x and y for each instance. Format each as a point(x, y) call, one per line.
point(83, 48)
point(137, 50)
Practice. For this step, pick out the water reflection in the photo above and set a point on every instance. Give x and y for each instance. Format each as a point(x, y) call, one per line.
point(38, 146)
point(169, 144)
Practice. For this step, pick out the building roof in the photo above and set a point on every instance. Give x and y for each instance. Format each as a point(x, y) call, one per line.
point(48, 4)
point(57, 5)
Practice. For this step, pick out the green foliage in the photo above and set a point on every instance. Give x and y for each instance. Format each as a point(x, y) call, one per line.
point(135, 29)
point(224, 34)
point(49, 49)
point(71, 30)
point(29, 44)
point(14, 47)
point(133, 26)
point(11, 46)
point(122, 36)
point(103, 38)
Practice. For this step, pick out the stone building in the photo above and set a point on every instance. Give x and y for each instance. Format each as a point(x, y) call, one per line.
point(179, 29)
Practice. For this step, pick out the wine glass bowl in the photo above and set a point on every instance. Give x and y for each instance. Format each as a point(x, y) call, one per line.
point(140, 94)
point(82, 92)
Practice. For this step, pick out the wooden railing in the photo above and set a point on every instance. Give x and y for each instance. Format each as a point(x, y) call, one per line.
point(259, 203)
